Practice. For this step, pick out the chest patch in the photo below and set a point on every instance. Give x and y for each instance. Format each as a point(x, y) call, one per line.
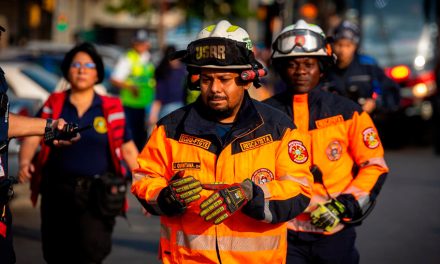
point(195, 141)
point(371, 140)
point(100, 125)
point(297, 151)
point(255, 143)
point(262, 176)
point(334, 150)
point(331, 121)
point(186, 165)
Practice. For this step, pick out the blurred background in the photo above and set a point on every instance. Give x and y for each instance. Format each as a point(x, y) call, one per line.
point(402, 35)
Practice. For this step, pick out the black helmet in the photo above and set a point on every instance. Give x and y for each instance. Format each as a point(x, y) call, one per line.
point(347, 30)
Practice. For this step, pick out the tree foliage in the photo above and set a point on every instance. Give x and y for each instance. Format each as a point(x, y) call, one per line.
point(203, 9)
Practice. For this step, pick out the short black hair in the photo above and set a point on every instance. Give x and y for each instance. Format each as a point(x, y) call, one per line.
point(91, 51)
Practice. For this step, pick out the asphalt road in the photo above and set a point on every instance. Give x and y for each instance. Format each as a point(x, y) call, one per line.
point(404, 227)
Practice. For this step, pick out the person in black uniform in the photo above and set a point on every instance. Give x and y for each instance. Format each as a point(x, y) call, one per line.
point(358, 77)
point(12, 125)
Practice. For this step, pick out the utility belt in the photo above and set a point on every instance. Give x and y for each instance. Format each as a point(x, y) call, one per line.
point(103, 194)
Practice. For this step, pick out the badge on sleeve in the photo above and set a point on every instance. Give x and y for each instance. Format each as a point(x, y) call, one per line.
point(262, 176)
point(371, 140)
point(334, 150)
point(100, 125)
point(297, 151)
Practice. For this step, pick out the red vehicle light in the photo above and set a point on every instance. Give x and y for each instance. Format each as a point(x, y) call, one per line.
point(423, 78)
point(398, 73)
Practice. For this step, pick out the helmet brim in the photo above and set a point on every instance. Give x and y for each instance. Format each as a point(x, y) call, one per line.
point(228, 67)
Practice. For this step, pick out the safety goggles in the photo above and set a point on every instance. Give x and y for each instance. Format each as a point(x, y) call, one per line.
point(301, 40)
point(87, 65)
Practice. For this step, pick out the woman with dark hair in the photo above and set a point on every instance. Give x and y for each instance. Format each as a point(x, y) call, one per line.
point(75, 228)
point(170, 86)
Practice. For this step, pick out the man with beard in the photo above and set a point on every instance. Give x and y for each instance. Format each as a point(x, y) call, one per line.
point(226, 172)
point(347, 155)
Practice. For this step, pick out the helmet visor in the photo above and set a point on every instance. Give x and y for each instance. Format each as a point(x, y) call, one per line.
point(300, 40)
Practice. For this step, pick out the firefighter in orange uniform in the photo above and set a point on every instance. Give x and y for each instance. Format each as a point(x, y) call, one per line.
point(346, 153)
point(226, 172)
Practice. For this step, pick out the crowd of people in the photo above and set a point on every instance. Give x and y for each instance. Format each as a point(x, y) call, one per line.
point(234, 179)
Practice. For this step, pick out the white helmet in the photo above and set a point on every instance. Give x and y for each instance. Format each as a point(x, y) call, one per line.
point(224, 29)
point(222, 46)
point(301, 39)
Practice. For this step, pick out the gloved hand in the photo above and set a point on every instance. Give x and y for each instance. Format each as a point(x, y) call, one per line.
point(69, 132)
point(224, 203)
point(328, 214)
point(174, 198)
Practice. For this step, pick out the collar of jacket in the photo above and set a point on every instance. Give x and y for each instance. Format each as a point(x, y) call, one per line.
point(199, 122)
point(285, 98)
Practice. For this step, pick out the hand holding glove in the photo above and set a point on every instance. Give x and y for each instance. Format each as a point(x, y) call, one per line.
point(224, 203)
point(328, 214)
point(174, 198)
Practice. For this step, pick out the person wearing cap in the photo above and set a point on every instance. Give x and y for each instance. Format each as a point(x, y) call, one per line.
point(226, 172)
point(134, 76)
point(347, 157)
point(357, 76)
point(77, 217)
point(12, 125)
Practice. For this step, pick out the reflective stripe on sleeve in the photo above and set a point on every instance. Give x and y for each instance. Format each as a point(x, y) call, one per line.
point(300, 180)
point(47, 110)
point(138, 176)
point(115, 116)
point(268, 217)
point(362, 197)
point(165, 232)
point(379, 161)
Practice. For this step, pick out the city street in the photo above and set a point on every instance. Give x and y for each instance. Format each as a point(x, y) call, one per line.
point(403, 228)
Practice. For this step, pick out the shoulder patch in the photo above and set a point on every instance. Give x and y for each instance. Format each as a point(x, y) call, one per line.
point(255, 143)
point(195, 141)
point(331, 121)
point(371, 140)
point(297, 151)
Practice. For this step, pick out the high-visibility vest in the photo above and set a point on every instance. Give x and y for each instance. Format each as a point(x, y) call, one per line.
point(142, 76)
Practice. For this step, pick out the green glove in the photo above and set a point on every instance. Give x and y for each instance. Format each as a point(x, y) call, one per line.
point(174, 198)
point(328, 215)
point(224, 203)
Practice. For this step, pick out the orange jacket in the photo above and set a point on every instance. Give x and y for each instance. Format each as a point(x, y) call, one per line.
point(345, 146)
point(263, 146)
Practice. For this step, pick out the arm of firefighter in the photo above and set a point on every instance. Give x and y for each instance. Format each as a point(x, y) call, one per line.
point(154, 171)
point(368, 154)
point(289, 194)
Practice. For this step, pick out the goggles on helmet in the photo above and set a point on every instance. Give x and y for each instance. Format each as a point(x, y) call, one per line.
point(301, 40)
